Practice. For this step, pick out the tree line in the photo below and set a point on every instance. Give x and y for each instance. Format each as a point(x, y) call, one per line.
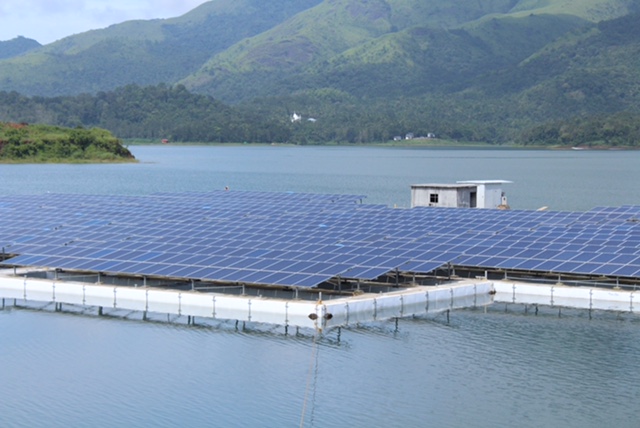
point(321, 116)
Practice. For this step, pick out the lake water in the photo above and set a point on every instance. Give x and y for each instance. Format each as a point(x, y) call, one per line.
point(494, 368)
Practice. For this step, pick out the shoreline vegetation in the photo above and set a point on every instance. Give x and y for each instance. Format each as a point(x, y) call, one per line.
point(24, 143)
point(434, 143)
point(154, 113)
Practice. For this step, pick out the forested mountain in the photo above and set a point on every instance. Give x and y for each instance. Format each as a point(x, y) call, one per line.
point(17, 46)
point(356, 70)
point(283, 45)
point(153, 112)
point(142, 52)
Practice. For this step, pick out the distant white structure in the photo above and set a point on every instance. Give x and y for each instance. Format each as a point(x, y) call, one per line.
point(463, 194)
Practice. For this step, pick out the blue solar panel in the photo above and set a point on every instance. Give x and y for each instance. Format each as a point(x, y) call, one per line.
point(366, 273)
point(304, 280)
point(547, 266)
point(275, 278)
point(220, 235)
point(426, 267)
point(628, 271)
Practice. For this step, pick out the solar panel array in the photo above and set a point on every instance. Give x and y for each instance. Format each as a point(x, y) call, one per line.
point(303, 240)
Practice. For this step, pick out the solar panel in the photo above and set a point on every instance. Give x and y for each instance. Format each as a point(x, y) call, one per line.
point(306, 239)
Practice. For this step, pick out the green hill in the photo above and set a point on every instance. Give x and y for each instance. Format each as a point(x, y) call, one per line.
point(399, 46)
point(17, 46)
point(287, 45)
point(20, 142)
point(362, 70)
point(142, 52)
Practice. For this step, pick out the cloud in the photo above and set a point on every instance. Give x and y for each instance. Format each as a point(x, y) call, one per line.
point(50, 20)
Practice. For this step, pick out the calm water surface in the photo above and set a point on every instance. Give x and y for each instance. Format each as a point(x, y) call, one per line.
point(482, 369)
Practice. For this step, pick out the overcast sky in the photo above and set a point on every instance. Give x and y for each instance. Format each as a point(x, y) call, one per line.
point(49, 20)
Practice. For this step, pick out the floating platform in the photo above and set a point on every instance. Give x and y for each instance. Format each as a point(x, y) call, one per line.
point(319, 315)
point(562, 295)
point(306, 260)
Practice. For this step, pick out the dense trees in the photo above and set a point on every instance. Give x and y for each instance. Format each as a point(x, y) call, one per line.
point(325, 116)
point(622, 129)
point(20, 142)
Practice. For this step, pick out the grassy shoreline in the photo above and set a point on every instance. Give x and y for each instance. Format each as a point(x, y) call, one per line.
point(24, 143)
point(29, 161)
point(431, 143)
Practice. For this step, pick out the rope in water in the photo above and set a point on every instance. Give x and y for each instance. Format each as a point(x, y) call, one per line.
point(314, 350)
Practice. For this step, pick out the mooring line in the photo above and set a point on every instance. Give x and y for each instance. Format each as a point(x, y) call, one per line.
point(314, 350)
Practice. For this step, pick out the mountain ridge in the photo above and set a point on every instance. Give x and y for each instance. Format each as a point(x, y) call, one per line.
point(17, 46)
point(476, 70)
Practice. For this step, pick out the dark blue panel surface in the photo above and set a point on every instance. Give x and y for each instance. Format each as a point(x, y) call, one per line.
point(222, 234)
